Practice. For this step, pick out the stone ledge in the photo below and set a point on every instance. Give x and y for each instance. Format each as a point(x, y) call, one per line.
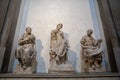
point(72, 75)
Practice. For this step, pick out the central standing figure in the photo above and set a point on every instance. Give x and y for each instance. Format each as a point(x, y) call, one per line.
point(59, 52)
point(58, 46)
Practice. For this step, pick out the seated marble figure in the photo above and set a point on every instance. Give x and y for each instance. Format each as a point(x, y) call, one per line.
point(26, 53)
point(91, 53)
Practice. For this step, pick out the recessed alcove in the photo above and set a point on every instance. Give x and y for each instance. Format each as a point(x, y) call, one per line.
point(42, 16)
point(76, 16)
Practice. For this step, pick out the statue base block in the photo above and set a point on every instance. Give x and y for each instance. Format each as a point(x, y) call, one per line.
point(62, 68)
point(97, 70)
point(20, 70)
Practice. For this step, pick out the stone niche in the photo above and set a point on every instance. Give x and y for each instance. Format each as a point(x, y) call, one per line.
point(43, 16)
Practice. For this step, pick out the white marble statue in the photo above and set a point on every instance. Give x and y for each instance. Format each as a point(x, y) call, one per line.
point(58, 46)
point(91, 53)
point(26, 53)
point(58, 51)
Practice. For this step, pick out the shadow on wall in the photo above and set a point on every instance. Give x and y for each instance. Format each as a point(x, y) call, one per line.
point(41, 68)
point(71, 54)
point(72, 58)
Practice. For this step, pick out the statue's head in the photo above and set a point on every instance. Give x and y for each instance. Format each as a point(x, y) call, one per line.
point(53, 33)
point(59, 26)
point(28, 30)
point(89, 32)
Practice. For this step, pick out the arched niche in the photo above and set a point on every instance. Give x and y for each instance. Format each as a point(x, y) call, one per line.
point(28, 18)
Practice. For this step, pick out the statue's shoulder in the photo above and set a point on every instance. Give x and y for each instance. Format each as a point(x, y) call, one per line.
point(53, 31)
point(84, 37)
point(61, 32)
point(32, 35)
point(22, 35)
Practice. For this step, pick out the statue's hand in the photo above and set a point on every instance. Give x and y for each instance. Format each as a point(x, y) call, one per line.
point(99, 40)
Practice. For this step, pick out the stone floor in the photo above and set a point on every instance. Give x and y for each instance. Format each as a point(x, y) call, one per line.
point(73, 76)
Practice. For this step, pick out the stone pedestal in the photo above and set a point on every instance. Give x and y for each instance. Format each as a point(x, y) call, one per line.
point(97, 69)
point(87, 69)
point(62, 68)
point(20, 70)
